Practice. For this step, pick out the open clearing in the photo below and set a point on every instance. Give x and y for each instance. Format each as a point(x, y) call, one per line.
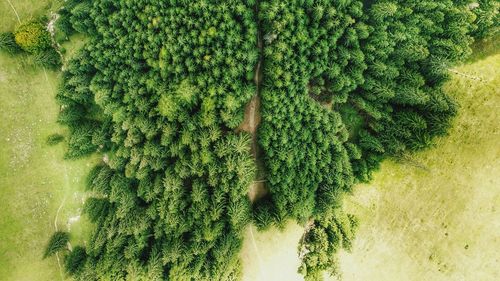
point(34, 178)
point(440, 222)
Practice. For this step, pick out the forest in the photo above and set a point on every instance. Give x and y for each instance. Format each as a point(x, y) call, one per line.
point(159, 91)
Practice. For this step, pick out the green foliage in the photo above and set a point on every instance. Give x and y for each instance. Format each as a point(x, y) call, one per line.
point(8, 43)
point(75, 260)
point(80, 141)
point(73, 17)
point(79, 17)
point(58, 242)
point(171, 201)
point(374, 74)
point(487, 22)
point(32, 37)
point(321, 242)
point(161, 87)
point(48, 58)
point(54, 139)
point(315, 47)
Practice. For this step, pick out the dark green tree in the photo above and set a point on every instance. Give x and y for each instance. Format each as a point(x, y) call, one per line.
point(58, 242)
point(75, 260)
point(8, 43)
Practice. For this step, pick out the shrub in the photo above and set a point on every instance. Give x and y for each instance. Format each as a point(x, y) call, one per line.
point(8, 43)
point(32, 37)
point(54, 139)
point(57, 242)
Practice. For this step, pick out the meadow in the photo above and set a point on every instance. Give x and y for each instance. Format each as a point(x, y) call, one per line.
point(39, 191)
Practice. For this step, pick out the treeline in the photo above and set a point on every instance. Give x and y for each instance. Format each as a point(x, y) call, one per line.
point(160, 88)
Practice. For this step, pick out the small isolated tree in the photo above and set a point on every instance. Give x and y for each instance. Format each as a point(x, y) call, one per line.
point(57, 242)
point(75, 260)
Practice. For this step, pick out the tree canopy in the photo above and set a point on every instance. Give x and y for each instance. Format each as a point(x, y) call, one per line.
point(160, 89)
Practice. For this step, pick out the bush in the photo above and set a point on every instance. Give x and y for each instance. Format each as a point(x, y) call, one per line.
point(54, 139)
point(8, 43)
point(57, 242)
point(32, 37)
point(48, 58)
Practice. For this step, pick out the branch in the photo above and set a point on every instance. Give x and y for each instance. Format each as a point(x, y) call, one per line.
point(466, 75)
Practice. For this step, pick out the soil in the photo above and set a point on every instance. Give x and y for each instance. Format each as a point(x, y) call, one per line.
point(250, 124)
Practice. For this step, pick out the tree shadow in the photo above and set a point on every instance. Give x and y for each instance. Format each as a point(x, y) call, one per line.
point(484, 48)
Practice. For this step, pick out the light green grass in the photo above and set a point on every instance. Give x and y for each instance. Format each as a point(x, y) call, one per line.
point(434, 218)
point(26, 9)
point(34, 178)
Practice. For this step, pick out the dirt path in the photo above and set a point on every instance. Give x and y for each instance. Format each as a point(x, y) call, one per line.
point(250, 124)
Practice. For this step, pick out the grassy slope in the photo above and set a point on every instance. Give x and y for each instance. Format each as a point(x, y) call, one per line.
point(440, 224)
point(34, 179)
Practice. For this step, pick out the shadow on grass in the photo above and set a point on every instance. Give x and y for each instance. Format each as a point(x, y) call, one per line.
point(484, 48)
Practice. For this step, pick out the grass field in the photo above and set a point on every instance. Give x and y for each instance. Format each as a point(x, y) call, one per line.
point(36, 184)
point(435, 217)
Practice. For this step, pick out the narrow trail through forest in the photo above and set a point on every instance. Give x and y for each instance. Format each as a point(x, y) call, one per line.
point(250, 124)
point(252, 120)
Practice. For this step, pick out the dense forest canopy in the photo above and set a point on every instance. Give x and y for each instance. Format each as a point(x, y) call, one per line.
point(160, 89)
